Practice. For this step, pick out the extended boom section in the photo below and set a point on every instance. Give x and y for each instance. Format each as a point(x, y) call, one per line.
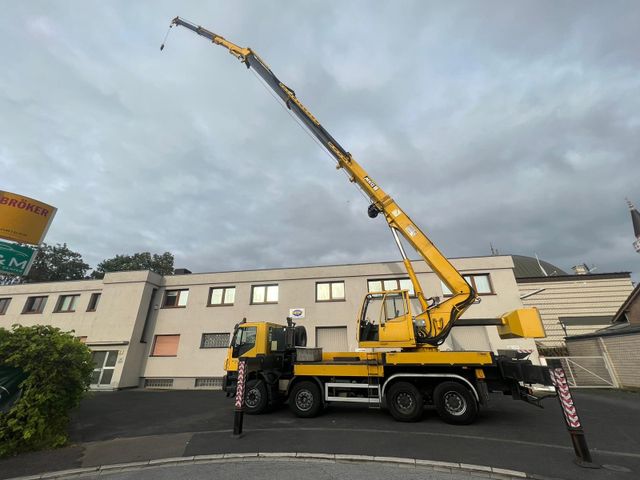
point(433, 323)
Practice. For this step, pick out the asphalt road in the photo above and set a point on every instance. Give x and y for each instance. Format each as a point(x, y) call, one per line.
point(114, 427)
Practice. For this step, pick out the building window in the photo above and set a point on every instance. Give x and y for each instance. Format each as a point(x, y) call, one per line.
point(391, 284)
point(481, 283)
point(329, 291)
point(214, 340)
point(175, 298)
point(67, 303)
point(165, 346)
point(93, 302)
point(222, 296)
point(104, 363)
point(4, 304)
point(264, 294)
point(34, 305)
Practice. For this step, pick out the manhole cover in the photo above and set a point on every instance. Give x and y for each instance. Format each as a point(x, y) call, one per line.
point(616, 468)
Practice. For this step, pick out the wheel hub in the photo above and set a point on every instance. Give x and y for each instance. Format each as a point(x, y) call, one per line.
point(253, 398)
point(404, 402)
point(454, 403)
point(304, 400)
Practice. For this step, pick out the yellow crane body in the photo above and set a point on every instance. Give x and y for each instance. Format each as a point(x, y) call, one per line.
point(411, 371)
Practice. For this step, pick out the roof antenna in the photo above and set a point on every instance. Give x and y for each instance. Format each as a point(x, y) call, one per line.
point(540, 265)
point(165, 37)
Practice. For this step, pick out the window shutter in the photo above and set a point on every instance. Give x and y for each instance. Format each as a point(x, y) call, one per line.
point(166, 345)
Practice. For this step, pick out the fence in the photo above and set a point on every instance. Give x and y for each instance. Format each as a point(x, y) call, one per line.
point(588, 372)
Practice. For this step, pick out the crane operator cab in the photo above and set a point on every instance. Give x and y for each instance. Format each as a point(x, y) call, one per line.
point(386, 321)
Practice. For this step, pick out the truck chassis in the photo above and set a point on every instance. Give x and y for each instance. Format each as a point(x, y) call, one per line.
point(455, 383)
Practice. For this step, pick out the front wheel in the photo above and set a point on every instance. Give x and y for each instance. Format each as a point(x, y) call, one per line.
point(455, 403)
point(405, 402)
point(256, 400)
point(305, 399)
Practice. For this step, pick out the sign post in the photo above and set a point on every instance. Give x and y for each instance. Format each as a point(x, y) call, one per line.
point(578, 439)
point(238, 416)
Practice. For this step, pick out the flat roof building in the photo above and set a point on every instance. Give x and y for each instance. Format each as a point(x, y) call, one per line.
point(172, 331)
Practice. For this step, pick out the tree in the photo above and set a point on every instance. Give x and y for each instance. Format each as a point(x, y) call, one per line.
point(162, 264)
point(58, 371)
point(55, 263)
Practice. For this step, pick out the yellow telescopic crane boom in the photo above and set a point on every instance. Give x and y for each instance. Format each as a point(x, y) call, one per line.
point(439, 318)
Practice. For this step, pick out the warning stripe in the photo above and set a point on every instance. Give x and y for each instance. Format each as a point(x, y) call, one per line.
point(240, 385)
point(564, 395)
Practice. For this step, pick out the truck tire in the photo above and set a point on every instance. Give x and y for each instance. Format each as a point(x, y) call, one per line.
point(300, 336)
point(454, 403)
point(405, 402)
point(305, 399)
point(256, 399)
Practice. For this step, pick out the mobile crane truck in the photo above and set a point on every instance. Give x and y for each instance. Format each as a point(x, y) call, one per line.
point(401, 368)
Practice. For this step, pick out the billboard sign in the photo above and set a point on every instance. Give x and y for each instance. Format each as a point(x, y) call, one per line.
point(15, 259)
point(23, 219)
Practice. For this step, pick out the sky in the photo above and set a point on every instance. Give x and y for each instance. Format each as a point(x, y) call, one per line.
point(512, 124)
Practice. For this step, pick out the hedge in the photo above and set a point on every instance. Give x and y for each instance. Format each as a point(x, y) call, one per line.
point(58, 369)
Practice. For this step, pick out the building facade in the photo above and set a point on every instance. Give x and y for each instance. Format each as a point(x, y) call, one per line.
point(618, 344)
point(575, 304)
point(149, 330)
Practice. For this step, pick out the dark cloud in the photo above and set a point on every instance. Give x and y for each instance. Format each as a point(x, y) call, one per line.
point(502, 122)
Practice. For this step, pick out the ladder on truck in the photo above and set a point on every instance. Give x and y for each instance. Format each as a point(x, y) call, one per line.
point(352, 391)
point(374, 396)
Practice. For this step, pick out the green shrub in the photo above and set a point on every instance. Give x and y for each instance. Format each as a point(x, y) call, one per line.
point(58, 369)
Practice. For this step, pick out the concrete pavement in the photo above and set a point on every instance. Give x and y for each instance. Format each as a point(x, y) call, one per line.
point(288, 470)
point(129, 426)
point(286, 466)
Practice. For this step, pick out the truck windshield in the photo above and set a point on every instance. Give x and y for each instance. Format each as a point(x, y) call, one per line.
point(244, 340)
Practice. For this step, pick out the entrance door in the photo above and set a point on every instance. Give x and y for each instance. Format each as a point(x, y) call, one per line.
point(332, 339)
point(103, 365)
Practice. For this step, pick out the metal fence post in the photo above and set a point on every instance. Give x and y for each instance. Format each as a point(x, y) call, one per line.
point(609, 364)
point(238, 416)
point(578, 439)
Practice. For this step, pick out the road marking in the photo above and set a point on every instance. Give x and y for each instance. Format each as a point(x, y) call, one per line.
point(430, 434)
point(360, 430)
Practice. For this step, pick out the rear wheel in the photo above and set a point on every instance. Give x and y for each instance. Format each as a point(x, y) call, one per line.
point(405, 402)
point(455, 403)
point(305, 399)
point(256, 399)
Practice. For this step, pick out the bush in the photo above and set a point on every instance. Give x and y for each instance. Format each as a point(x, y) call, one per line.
point(58, 369)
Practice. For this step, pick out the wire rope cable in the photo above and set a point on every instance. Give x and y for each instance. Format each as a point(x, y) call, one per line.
point(305, 129)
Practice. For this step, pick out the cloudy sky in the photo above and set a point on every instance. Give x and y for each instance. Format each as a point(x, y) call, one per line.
point(511, 123)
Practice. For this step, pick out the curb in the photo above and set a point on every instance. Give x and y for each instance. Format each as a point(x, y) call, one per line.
point(448, 467)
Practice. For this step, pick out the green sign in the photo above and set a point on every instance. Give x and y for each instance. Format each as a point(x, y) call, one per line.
point(15, 259)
